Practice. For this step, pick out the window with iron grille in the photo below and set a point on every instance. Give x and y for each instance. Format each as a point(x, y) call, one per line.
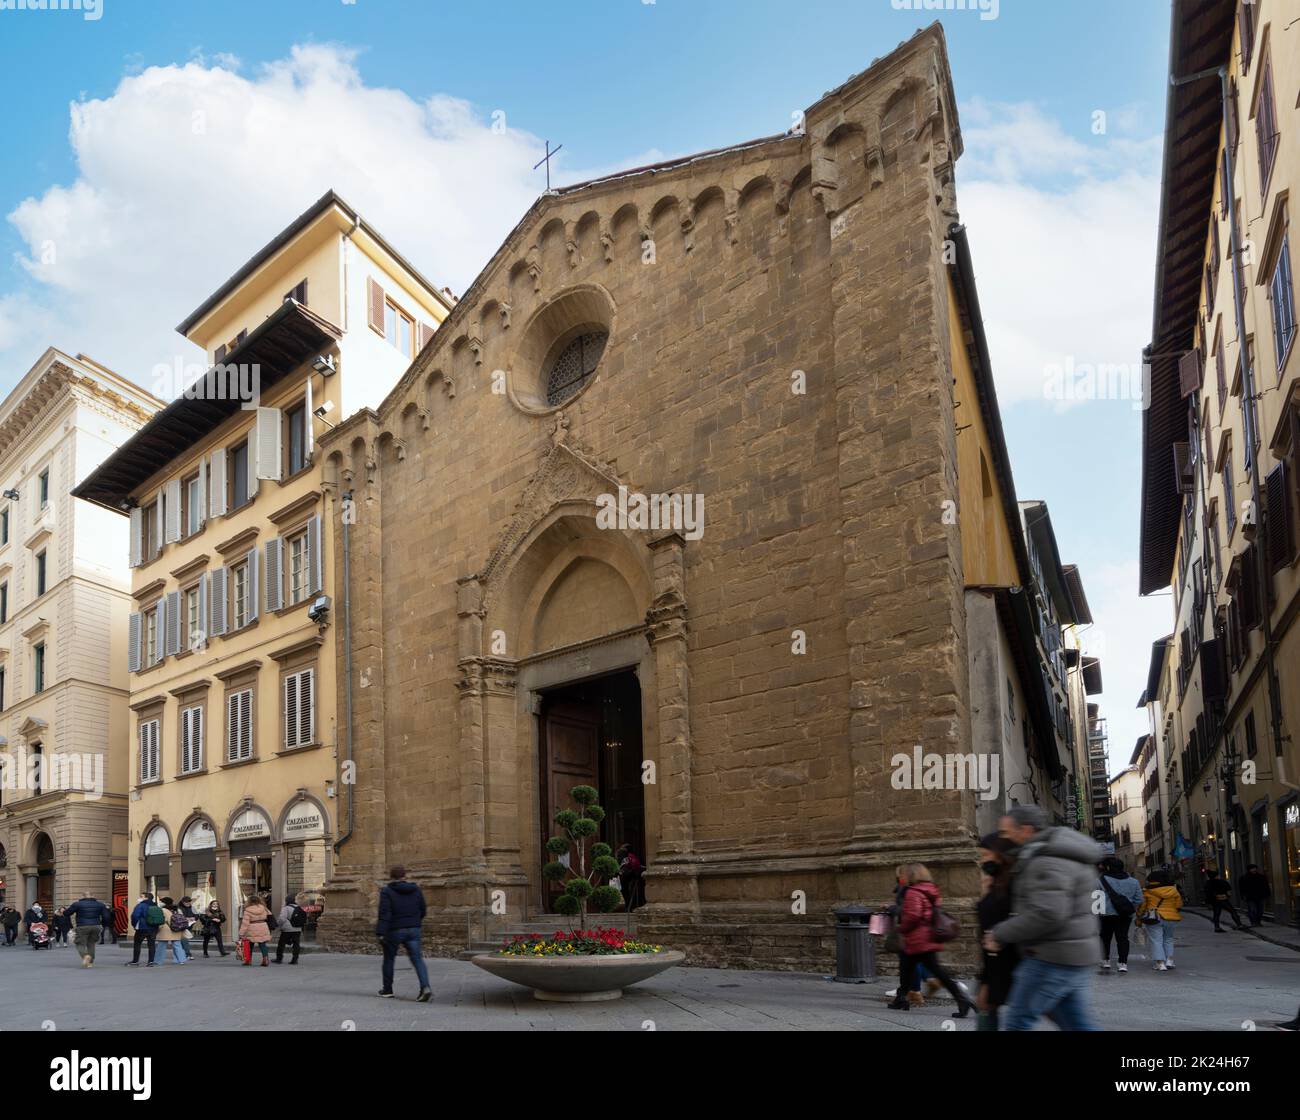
point(1266, 128)
point(1246, 28)
point(573, 366)
point(1281, 295)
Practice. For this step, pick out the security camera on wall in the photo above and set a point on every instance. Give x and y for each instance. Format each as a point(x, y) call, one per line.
point(319, 611)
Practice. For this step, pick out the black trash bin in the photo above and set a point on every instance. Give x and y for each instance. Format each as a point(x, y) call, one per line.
point(855, 955)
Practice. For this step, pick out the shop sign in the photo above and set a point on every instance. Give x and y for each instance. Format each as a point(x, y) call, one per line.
point(304, 822)
point(250, 825)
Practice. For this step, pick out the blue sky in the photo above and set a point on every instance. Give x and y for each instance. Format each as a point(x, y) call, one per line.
point(101, 163)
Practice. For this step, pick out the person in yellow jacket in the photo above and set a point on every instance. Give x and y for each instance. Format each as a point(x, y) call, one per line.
point(1161, 909)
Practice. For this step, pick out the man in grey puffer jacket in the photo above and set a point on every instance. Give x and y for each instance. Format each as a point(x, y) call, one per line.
point(1052, 922)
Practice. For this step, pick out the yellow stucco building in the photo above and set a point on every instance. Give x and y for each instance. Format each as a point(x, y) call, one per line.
point(231, 636)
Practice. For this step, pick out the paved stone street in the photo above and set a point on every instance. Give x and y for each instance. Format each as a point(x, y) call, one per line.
point(1222, 980)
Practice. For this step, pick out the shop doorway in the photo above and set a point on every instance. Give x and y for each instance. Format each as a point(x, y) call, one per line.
point(590, 734)
point(45, 871)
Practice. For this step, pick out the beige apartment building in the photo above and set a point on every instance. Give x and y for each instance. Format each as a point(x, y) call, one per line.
point(231, 636)
point(64, 602)
point(1221, 476)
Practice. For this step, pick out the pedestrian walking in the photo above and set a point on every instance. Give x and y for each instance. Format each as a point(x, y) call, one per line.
point(1121, 899)
point(185, 916)
point(9, 919)
point(1255, 892)
point(401, 910)
point(292, 918)
point(913, 995)
point(921, 940)
point(147, 919)
point(170, 934)
point(997, 855)
point(255, 927)
point(1052, 922)
point(1162, 910)
point(630, 877)
point(212, 919)
point(1218, 893)
point(60, 923)
point(90, 917)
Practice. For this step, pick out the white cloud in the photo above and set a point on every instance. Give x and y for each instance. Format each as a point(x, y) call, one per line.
point(186, 170)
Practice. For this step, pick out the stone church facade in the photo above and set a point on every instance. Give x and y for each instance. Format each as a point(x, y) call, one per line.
point(766, 328)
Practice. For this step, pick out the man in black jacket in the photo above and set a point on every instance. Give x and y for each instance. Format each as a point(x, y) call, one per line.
point(1254, 890)
point(401, 910)
point(90, 916)
point(1218, 893)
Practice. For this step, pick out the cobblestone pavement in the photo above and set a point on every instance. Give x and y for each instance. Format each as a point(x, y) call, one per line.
point(1222, 981)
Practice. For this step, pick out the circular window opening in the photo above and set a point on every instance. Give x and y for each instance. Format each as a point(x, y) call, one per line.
point(573, 366)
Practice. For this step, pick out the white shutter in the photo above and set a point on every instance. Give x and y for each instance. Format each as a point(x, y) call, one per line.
point(133, 644)
point(142, 745)
point(172, 530)
point(270, 454)
point(314, 580)
point(196, 738)
point(185, 740)
point(251, 599)
point(198, 640)
point(217, 602)
point(159, 631)
point(232, 727)
point(158, 516)
point(309, 417)
point(148, 743)
point(172, 604)
point(217, 483)
point(307, 706)
point(291, 710)
point(246, 724)
point(137, 536)
point(274, 575)
point(202, 494)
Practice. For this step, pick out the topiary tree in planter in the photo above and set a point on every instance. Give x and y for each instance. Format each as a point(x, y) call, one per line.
point(582, 889)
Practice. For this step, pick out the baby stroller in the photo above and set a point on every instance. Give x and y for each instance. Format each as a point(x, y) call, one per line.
point(40, 935)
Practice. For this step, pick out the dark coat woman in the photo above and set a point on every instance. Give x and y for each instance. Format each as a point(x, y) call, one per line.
point(920, 904)
point(213, 918)
point(993, 907)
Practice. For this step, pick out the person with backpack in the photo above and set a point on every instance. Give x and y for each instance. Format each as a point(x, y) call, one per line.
point(212, 920)
point(1218, 893)
point(255, 925)
point(1121, 899)
point(91, 916)
point(1161, 909)
point(1052, 923)
point(146, 919)
point(171, 934)
point(401, 911)
point(292, 919)
point(1255, 892)
point(924, 928)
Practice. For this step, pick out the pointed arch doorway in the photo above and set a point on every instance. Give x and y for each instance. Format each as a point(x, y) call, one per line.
point(590, 733)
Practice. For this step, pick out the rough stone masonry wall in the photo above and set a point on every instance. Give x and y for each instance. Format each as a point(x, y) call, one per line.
point(823, 510)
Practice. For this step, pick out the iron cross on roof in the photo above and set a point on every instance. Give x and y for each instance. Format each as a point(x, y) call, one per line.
point(546, 159)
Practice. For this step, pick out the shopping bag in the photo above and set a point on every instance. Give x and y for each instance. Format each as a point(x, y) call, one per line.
point(880, 924)
point(245, 950)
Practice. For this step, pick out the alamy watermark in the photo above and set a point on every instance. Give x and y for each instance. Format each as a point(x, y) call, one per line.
point(683, 513)
point(988, 9)
point(922, 770)
point(1104, 381)
point(89, 9)
point(226, 381)
point(38, 772)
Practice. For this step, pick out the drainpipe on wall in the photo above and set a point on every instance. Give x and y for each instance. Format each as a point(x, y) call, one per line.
point(347, 670)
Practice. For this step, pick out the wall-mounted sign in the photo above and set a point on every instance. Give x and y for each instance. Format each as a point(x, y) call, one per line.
point(199, 837)
point(250, 825)
point(1291, 815)
point(304, 822)
point(156, 842)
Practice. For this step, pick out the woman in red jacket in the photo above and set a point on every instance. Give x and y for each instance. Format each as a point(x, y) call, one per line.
point(919, 904)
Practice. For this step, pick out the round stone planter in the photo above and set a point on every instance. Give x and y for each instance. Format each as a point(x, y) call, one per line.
point(579, 979)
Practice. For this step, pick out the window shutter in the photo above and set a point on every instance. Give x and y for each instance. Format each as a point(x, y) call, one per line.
point(158, 524)
point(375, 305)
point(246, 724)
point(196, 738)
point(142, 749)
point(314, 568)
point(291, 710)
point(308, 419)
point(424, 332)
point(251, 599)
point(270, 454)
point(250, 464)
point(172, 529)
point(274, 575)
point(1189, 372)
point(1184, 475)
point(1281, 531)
point(1248, 591)
point(196, 641)
point(217, 602)
point(220, 355)
point(217, 483)
point(172, 604)
point(133, 644)
point(137, 536)
point(232, 727)
point(306, 706)
point(202, 497)
point(185, 740)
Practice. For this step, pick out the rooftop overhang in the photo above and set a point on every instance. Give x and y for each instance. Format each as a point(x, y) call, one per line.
point(1092, 676)
point(1200, 38)
point(287, 338)
point(1038, 525)
point(1159, 652)
point(1074, 582)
